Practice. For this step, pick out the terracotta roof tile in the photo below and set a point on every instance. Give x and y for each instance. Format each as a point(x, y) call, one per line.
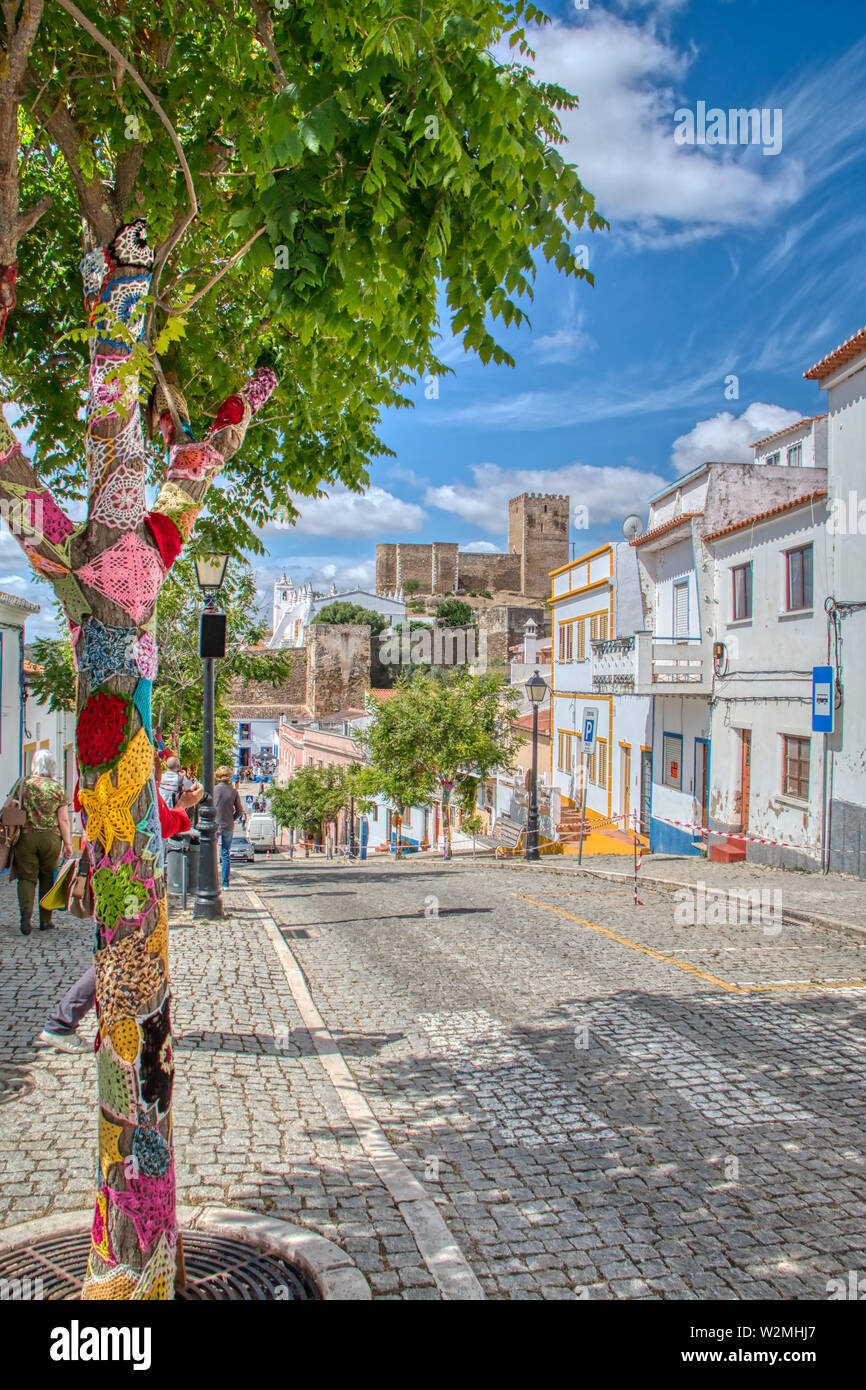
point(764, 516)
point(845, 352)
point(806, 420)
point(525, 721)
point(665, 527)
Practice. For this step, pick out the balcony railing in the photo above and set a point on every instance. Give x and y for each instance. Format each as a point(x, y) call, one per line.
point(649, 665)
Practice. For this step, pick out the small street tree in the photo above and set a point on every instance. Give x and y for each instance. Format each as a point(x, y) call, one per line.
point(442, 734)
point(453, 612)
point(314, 797)
point(294, 191)
point(342, 611)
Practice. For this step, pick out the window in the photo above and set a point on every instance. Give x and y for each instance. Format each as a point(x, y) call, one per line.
point(581, 639)
point(681, 609)
point(795, 455)
point(565, 641)
point(565, 750)
point(774, 458)
point(673, 760)
point(598, 628)
point(742, 580)
point(599, 768)
point(795, 767)
point(798, 587)
point(243, 733)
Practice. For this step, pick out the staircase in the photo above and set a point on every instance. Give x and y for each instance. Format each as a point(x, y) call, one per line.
point(568, 829)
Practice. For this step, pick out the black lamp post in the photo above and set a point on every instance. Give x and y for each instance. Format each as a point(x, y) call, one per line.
point(210, 572)
point(536, 689)
point(352, 827)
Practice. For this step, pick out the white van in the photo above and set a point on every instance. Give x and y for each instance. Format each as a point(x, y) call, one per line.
point(262, 831)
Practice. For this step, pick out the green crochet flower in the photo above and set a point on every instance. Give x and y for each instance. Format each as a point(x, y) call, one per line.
point(117, 894)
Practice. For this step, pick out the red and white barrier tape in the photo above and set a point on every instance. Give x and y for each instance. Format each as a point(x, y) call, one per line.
point(736, 835)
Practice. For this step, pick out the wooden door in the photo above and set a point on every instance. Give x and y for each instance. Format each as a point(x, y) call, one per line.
point(625, 782)
point(702, 772)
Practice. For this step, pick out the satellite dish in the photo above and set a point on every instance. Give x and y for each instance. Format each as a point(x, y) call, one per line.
point(632, 527)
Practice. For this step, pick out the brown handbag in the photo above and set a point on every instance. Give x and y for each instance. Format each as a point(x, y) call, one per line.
point(13, 818)
point(80, 900)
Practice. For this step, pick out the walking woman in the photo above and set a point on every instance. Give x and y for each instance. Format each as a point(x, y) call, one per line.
point(37, 850)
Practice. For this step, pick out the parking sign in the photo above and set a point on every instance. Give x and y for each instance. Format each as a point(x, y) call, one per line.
point(590, 724)
point(823, 704)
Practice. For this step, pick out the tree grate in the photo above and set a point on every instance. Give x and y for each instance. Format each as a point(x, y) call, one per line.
point(217, 1267)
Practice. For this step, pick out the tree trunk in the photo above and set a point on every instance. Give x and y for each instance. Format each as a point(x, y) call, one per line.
point(107, 574)
point(446, 817)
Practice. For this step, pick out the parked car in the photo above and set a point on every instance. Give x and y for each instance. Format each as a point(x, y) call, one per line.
point(241, 847)
point(262, 830)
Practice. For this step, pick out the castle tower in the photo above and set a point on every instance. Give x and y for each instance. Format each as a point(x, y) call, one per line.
point(538, 532)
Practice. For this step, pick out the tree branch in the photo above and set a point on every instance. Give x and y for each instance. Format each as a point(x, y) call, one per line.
point(173, 310)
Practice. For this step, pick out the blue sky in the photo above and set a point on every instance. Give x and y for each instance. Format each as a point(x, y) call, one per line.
point(720, 259)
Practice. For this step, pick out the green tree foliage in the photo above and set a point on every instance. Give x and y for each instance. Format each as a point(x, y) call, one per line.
point(356, 166)
point(438, 735)
point(453, 612)
point(412, 586)
point(341, 611)
point(177, 691)
point(314, 798)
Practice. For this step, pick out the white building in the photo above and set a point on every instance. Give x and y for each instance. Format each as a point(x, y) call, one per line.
point(767, 766)
point(14, 612)
point(295, 608)
point(596, 603)
point(842, 374)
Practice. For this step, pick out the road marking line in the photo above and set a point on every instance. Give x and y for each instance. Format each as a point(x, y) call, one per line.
point(440, 1252)
point(682, 964)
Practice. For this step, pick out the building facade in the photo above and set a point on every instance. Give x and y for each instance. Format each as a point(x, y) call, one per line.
point(294, 608)
point(14, 612)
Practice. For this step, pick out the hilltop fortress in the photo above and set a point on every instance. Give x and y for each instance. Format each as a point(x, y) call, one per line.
point(537, 544)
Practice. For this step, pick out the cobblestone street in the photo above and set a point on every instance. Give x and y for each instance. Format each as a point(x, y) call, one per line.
point(596, 1101)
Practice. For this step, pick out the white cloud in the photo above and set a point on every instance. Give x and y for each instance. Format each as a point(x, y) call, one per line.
point(353, 514)
point(725, 438)
point(630, 81)
point(607, 493)
point(479, 548)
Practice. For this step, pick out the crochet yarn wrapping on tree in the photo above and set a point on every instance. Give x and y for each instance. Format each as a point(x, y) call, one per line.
point(104, 730)
point(129, 573)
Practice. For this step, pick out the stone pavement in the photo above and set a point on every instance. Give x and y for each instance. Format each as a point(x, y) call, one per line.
point(612, 1107)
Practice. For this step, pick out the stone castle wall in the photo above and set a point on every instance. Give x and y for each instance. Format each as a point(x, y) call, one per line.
point(488, 572)
point(261, 700)
point(338, 667)
point(538, 530)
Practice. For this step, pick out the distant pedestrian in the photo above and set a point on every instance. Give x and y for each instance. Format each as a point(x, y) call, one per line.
point(37, 851)
point(227, 808)
point(172, 780)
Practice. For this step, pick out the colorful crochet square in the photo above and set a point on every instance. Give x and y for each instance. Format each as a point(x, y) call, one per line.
point(149, 826)
point(193, 462)
point(43, 565)
point(146, 656)
point(69, 593)
point(157, 1280)
point(100, 1243)
point(136, 766)
point(156, 1060)
point(129, 245)
point(94, 267)
point(260, 386)
point(142, 701)
point(126, 1039)
point(116, 1084)
point(107, 652)
point(109, 1153)
point(127, 978)
point(46, 516)
point(151, 1152)
point(104, 730)
point(166, 536)
point(129, 573)
point(8, 442)
point(118, 896)
point(116, 1286)
point(108, 451)
point(107, 811)
point(157, 942)
point(149, 1204)
point(121, 502)
point(173, 499)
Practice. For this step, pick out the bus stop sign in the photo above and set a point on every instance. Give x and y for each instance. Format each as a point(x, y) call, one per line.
point(823, 702)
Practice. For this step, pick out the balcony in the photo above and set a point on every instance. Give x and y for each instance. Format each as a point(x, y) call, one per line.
point(648, 665)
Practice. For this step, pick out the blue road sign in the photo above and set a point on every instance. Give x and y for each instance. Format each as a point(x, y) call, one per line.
point(590, 724)
point(823, 703)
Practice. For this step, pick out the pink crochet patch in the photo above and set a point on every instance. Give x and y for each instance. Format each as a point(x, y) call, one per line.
point(46, 516)
point(149, 1204)
point(146, 657)
point(129, 573)
point(193, 461)
point(259, 387)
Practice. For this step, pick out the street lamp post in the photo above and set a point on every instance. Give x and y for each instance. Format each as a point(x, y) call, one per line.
point(351, 827)
point(536, 689)
point(210, 573)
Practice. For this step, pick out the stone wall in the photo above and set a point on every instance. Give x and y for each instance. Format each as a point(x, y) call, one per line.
point(338, 667)
point(503, 626)
point(261, 700)
point(488, 572)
